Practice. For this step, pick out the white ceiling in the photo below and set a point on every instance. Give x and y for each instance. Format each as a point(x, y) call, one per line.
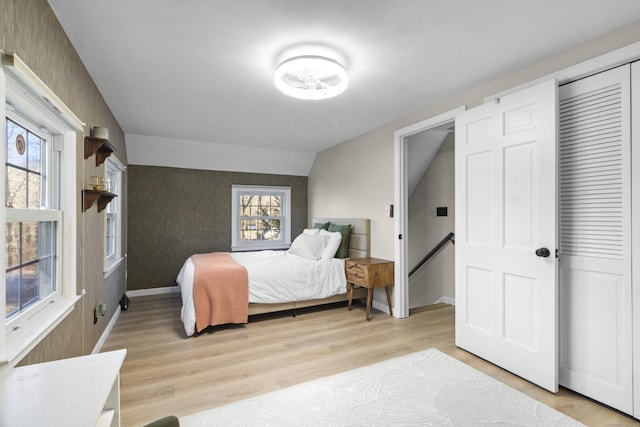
point(202, 70)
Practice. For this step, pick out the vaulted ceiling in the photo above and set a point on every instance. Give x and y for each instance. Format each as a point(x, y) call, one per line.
point(202, 70)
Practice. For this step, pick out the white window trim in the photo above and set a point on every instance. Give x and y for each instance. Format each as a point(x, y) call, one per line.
point(112, 263)
point(19, 85)
point(236, 243)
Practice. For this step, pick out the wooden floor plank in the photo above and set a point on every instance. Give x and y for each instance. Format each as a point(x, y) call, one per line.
point(166, 372)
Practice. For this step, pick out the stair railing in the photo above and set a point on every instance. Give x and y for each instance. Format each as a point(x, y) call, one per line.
point(449, 237)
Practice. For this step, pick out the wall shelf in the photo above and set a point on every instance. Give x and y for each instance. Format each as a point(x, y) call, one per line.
point(89, 197)
point(102, 148)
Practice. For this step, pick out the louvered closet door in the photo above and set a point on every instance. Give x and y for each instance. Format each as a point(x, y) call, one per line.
point(595, 238)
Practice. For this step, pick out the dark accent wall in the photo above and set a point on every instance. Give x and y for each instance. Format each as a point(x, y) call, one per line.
point(174, 213)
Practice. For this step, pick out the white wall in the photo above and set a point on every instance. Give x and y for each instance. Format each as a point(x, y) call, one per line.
point(355, 178)
point(435, 279)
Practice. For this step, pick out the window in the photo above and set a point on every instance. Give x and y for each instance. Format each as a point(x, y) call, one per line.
point(261, 217)
point(32, 217)
point(113, 215)
point(38, 185)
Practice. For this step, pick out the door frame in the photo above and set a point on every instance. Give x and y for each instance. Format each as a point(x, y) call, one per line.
point(401, 201)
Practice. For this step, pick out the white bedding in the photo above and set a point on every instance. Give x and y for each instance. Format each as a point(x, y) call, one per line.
point(274, 277)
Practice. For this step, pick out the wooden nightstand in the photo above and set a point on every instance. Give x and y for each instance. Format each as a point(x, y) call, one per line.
point(369, 273)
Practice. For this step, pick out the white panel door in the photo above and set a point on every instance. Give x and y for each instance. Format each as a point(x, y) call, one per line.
point(595, 238)
point(506, 214)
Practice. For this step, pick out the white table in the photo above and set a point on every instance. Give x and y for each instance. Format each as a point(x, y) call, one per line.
point(81, 391)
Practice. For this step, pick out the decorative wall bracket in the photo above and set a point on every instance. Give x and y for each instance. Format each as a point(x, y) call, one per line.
point(101, 147)
point(90, 196)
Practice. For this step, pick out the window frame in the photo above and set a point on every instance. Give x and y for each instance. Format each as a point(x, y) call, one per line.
point(49, 212)
point(112, 261)
point(237, 244)
point(22, 91)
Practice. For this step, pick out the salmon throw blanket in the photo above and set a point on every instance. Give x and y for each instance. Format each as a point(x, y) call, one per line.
point(220, 290)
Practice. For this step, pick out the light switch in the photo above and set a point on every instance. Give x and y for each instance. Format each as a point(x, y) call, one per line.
point(388, 211)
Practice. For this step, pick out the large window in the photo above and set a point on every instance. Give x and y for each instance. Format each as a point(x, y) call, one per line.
point(38, 185)
point(261, 217)
point(114, 170)
point(32, 217)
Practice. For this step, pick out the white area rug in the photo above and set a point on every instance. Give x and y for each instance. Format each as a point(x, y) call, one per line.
point(427, 388)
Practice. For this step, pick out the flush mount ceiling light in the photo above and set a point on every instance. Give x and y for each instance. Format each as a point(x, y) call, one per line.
point(311, 77)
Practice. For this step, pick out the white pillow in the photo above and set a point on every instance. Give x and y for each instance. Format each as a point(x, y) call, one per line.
point(308, 246)
point(332, 246)
point(311, 231)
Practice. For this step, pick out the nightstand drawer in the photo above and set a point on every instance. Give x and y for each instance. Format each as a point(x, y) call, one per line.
point(357, 274)
point(369, 272)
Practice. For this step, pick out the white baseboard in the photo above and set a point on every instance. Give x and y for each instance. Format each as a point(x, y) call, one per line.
point(134, 293)
point(107, 331)
point(383, 307)
point(447, 300)
point(153, 291)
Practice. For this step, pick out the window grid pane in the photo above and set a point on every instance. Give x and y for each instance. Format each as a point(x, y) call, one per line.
point(12, 250)
point(14, 133)
point(16, 188)
point(29, 234)
point(112, 186)
point(30, 264)
point(34, 152)
point(260, 229)
point(29, 285)
point(12, 293)
point(33, 190)
point(110, 229)
point(25, 168)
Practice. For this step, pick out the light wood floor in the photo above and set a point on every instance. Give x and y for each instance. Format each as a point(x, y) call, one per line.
point(167, 373)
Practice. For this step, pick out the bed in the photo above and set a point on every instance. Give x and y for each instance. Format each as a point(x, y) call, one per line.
point(279, 280)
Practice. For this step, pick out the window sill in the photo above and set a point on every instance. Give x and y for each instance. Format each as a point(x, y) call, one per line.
point(112, 266)
point(249, 248)
point(21, 342)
